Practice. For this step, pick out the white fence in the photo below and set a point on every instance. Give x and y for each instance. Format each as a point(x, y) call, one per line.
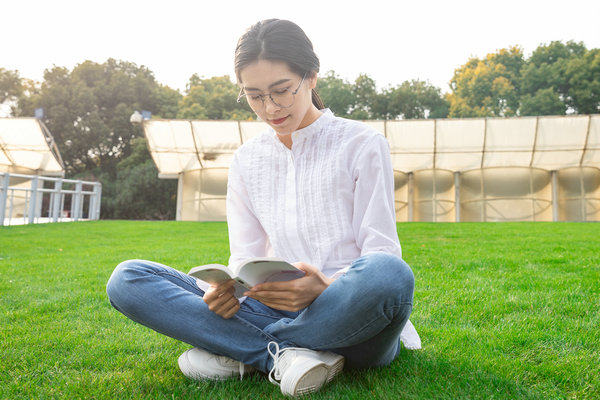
point(29, 199)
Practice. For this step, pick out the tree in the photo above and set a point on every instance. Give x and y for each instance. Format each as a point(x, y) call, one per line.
point(583, 75)
point(141, 194)
point(336, 93)
point(365, 92)
point(545, 77)
point(11, 87)
point(488, 87)
point(213, 98)
point(410, 100)
point(88, 109)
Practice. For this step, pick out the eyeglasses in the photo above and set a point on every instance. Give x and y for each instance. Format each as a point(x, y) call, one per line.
point(283, 98)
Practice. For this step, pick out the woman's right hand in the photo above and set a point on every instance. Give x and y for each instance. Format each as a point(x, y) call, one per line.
point(220, 299)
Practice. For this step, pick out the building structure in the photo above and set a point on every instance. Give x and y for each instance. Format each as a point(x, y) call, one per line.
point(543, 168)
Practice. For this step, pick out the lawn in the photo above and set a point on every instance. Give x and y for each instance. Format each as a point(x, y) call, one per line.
point(505, 310)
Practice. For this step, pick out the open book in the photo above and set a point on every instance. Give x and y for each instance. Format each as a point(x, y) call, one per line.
point(249, 273)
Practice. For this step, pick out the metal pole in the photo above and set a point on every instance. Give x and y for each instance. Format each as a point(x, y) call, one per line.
point(33, 200)
point(76, 208)
point(94, 209)
point(410, 196)
point(554, 196)
point(98, 186)
point(457, 195)
point(179, 210)
point(4, 196)
point(56, 208)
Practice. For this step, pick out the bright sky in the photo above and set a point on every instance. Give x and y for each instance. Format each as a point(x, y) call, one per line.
point(391, 41)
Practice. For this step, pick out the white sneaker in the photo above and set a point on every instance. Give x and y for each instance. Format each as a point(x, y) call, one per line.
point(301, 371)
point(199, 364)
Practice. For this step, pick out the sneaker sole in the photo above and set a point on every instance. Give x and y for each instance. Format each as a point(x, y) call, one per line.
point(311, 374)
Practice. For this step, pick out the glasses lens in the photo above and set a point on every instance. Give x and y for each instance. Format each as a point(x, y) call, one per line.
point(283, 98)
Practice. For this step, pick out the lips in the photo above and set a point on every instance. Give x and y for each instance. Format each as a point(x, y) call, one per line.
point(278, 121)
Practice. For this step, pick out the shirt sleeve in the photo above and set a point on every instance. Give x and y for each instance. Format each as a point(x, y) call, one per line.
point(374, 212)
point(247, 238)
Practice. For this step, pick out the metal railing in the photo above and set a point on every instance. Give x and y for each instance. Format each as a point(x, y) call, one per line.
point(29, 199)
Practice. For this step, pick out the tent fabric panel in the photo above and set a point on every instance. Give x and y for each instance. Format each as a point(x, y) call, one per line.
point(510, 135)
point(411, 144)
point(401, 195)
point(459, 144)
point(25, 144)
point(505, 194)
point(251, 129)
point(460, 135)
point(591, 155)
point(204, 195)
point(378, 125)
point(224, 136)
point(561, 133)
point(509, 142)
point(171, 145)
point(411, 136)
point(579, 194)
point(434, 196)
point(410, 162)
point(560, 142)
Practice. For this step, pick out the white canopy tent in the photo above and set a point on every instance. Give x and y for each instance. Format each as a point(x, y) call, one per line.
point(484, 169)
point(27, 147)
point(31, 185)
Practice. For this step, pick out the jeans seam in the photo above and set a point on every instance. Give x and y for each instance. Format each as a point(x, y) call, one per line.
point(276, 318)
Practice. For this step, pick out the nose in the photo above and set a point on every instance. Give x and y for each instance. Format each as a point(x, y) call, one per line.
point(270, 106)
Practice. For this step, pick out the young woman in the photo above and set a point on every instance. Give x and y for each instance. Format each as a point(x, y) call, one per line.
point(315, 190)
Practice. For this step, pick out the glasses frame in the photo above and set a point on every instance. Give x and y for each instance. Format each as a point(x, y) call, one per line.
point(264, 96)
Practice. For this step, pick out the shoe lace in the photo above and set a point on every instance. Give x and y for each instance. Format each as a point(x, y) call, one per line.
point(242, 370)
point(275, 373)
point(226, 360)
point(279, 365)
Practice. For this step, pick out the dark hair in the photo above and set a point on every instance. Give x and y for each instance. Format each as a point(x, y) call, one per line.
point(278, 40)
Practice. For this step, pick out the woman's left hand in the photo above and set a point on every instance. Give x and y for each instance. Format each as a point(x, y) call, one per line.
point(292, 295)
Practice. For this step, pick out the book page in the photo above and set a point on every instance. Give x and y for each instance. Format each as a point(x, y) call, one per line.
point(259, 271)
point(211, 273)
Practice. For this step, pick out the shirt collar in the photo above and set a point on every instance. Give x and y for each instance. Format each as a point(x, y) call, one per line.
point(310, 130)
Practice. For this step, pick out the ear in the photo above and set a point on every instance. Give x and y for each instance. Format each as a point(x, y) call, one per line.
point(312, 80)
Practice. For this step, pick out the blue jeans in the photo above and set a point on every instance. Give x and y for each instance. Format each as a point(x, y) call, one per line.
point(359, 316)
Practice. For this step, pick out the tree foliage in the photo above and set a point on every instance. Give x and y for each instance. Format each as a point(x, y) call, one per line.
point(11, 87)
point(336, 93)
point(362, 100)
point(88, 109)
point(213, 98)
point(141, 194)
point(488, 87)
point(556, 79)
point(410, 100)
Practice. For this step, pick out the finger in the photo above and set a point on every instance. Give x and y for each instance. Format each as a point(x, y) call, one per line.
point(217, 290)
point(286, 286)
point(229, 308)
point(281, 306)
point(270, 296)
point(215, 300)
point(231, 312)
point(224, 286)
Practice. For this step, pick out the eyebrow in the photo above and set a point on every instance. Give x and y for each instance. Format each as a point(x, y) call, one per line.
point(279, 82)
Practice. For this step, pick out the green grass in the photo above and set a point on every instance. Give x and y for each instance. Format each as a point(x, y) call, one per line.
point(505, 310)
